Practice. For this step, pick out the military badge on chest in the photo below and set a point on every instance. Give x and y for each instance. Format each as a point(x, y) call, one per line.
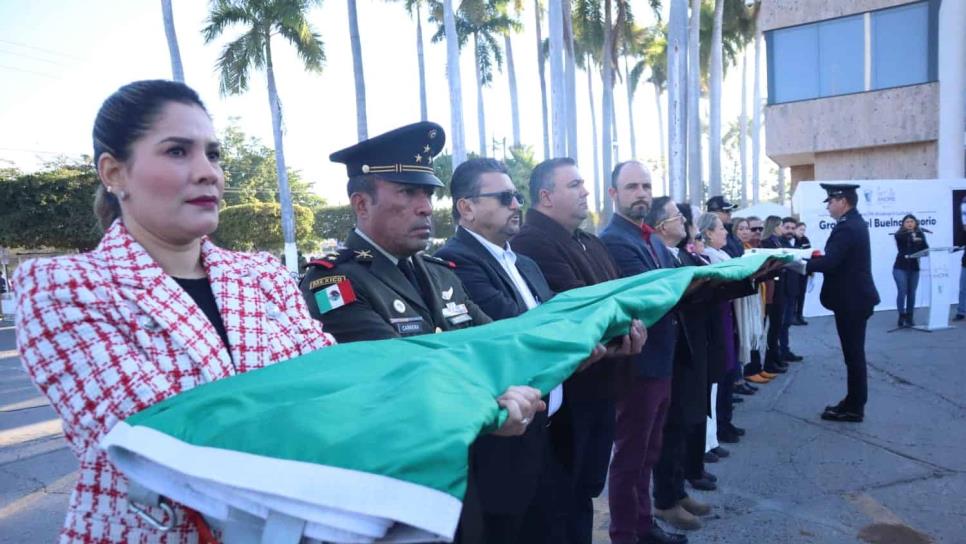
point(456, 314)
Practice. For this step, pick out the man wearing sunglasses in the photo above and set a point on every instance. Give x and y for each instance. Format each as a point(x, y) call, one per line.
point(509, 471)
point(757, 227)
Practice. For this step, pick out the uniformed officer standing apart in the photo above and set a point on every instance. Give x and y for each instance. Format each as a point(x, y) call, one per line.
point(382, 284)
point(848, 290)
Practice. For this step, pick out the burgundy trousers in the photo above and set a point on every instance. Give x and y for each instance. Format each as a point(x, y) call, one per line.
point(637, 448)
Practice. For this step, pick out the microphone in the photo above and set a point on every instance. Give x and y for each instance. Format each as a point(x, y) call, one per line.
point(926, 231)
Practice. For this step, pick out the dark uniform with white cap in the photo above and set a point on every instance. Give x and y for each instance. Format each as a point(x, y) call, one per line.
point(362, 292)
point(849, 292)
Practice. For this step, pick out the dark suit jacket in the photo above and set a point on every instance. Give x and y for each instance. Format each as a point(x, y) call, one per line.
point(387, 305)
point(847, 265)
point(569, 260)
point(625, 242)
point(507, 470)
point(788, 283)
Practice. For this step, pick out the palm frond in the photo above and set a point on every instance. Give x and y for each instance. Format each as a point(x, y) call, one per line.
point(225, 14)
point(308, 43)
point(237, 60)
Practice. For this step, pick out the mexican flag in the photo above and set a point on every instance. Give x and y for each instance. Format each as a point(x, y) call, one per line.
point(335, 296)
point(368, 441)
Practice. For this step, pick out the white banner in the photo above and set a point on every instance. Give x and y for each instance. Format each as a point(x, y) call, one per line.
point(882, 204)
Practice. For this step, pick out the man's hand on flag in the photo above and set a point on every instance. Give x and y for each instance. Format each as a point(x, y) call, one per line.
point(521, 403)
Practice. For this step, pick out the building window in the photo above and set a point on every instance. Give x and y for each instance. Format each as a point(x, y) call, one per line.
point(900, 46)
point(870, 51)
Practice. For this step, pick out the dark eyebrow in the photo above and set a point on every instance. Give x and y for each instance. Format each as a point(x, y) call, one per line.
point(188, 142)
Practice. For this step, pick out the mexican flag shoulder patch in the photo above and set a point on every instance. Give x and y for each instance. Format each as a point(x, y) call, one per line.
point(334, 293)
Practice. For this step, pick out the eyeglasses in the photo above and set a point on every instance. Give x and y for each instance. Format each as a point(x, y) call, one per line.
point(506, 197)
point(757, 229)
point(671, 219)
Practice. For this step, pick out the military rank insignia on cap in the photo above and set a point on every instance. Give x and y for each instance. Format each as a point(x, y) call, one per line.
point(404, 155)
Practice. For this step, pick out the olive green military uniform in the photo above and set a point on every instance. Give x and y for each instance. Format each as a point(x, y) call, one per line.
point(386, 304)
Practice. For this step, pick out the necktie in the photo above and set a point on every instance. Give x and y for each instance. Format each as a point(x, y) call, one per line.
point(407, 269)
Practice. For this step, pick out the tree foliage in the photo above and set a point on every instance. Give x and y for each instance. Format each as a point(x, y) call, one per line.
point(258, 226)
point(50, 208)
point(250, 174)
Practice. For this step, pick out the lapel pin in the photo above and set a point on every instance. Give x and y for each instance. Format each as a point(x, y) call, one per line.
point(399, 306)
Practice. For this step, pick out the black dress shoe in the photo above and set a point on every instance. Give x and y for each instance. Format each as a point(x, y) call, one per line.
point(727, 436)
point(799, 321)
point(708, 476)
point(744, 390)
point(842, 414)
point(959, 317)
point(703, 484)
point(736, 400)
point(792, 358)
point(657, 535)
point(711, 457)
point(737, 430)
point(749, 386)
point(720, 452)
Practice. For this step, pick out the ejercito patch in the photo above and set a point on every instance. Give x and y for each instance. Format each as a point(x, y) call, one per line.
point(323, 281)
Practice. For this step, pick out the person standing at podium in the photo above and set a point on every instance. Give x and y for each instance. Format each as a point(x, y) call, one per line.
point(849, 292)
point(909, 239)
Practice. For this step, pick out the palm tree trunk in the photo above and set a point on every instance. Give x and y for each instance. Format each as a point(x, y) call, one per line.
point(360, 80)
point(694, 104)
point(607, 107)
point(571, 69)
point(660, 135)
point(514, 103)
point(756, 121)
point(598, 189)
point(284, 194)
point(717, 71)
point(423, 109)
point(455, 85)
point(743, 129)
point(558, 89)
point(480, 114)
point(177, 70)
point(630, 109)
point(541, 66)
point(677, 64)
point(781, 185)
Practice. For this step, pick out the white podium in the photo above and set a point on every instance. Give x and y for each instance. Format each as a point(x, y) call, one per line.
point(937, 270)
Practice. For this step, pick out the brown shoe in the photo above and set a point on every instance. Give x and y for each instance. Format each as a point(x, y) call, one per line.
point(679, 518)
point(768, 375)
point(695, 507)
point(757, 378)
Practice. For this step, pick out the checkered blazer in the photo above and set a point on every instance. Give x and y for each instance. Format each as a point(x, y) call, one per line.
point(107, 333)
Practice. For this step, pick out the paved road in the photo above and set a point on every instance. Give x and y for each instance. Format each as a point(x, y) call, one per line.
point(898, 478)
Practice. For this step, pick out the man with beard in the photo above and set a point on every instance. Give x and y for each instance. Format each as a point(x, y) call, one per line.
point(641, 412)
point(583, 431)
point(486, 206)
point(382, 284)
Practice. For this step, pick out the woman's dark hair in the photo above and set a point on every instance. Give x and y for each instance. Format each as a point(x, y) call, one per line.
point(123, 118)
point(688, 223)
point(908, 216)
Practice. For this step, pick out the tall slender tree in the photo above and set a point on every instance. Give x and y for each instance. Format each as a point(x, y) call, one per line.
point(542, 69)
point(263, 19)
point(455, 83)
point(677, 69)
point(558, 87)
point(177, 69)
point(362, 128)
point(608, 62)
point(694, 105)
point(512, 79)
point(589, 45)
point(413, 8)
point(756, 122)
point(743, 129)
point(717, 75)
point(570, 65)
point(652, 50)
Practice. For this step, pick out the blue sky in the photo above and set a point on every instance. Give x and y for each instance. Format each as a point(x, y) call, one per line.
point(59, 59)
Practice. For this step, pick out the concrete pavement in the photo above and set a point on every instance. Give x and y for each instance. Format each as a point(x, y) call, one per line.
point(898, 478)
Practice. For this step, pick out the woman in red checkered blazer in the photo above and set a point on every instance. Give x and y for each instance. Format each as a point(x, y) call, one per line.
point(156, 308)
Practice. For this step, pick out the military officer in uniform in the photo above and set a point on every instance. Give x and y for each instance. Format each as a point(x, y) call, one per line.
point(383, 285)
point(849, 292)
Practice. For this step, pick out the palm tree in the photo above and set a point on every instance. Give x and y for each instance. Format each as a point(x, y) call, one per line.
point(483, 20)
point(558, 90)
point(652, 47)
point(413, 9)
point(541, 67)
point(588, 45)
point(717, 69)
point(455, 83)
point(512, 77)
point(177, 70)
point(252, 51)
point(633, 43)
point(570, 66)
point(360, 80)
point(743, 129)
point(677, 96)
point(608, 63)
point(694, 104)
point(756, 120)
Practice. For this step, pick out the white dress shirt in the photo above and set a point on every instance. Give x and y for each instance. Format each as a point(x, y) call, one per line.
point(508, 261)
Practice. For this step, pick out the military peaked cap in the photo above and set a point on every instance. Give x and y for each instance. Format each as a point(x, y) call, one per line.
point(838, 190)
point(404, 155)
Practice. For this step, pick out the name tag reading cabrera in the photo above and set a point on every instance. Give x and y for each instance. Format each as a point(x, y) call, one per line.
point(407, 326)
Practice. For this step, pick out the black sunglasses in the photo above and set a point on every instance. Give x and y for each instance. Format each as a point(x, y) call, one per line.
point(506, 197)
point(757, 229)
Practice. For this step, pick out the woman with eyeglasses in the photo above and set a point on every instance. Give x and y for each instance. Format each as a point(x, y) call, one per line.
point(905, 271)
